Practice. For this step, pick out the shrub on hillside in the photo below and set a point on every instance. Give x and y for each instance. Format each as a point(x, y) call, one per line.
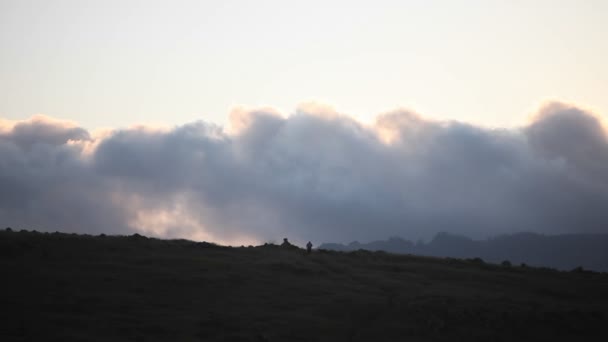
point(578, 269)
point(476, 260)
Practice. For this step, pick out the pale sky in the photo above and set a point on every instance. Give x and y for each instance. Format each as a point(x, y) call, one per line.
point(117, 63)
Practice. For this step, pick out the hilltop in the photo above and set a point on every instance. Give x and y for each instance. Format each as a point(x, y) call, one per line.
point(67, 287)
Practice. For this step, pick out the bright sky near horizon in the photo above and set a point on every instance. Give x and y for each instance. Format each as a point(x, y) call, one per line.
point(117, 63)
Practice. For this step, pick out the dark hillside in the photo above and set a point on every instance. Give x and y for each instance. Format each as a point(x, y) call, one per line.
point(61, 287)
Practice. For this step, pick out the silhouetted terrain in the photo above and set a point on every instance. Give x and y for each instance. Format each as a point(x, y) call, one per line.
point(564, 252)
point(62, 287)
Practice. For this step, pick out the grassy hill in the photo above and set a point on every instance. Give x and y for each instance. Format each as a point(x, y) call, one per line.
point(62, 287)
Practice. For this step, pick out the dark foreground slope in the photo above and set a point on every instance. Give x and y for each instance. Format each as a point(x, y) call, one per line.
point(79, 288)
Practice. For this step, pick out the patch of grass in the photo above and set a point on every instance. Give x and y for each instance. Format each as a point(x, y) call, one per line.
point(126, 288)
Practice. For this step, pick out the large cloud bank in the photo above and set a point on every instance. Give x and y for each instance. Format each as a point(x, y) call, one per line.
point(314, 175)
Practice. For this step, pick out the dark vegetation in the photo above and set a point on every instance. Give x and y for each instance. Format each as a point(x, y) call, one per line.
point(564, 252)
point(65, 287)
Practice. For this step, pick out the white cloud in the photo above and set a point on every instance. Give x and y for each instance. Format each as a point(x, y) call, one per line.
point(315, 175)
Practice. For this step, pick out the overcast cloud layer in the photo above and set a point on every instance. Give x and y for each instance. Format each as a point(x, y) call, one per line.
point(314, 175)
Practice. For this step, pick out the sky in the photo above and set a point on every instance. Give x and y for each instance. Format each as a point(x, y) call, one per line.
point(119, 63)
point(248, 121)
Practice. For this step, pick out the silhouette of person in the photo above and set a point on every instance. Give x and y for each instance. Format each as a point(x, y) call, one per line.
point(285, 243)
point(308, 247)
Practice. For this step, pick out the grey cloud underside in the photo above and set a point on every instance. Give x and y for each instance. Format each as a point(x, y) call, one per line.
point(313, 177)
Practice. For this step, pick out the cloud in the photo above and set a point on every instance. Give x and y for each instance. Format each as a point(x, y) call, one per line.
point(41, 129)
point(46, 182)
point(314, 175)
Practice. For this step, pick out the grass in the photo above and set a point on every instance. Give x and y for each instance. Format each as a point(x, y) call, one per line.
point(65, 287)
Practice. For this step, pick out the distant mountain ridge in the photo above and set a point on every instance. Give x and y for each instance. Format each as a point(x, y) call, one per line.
point(564, 252)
